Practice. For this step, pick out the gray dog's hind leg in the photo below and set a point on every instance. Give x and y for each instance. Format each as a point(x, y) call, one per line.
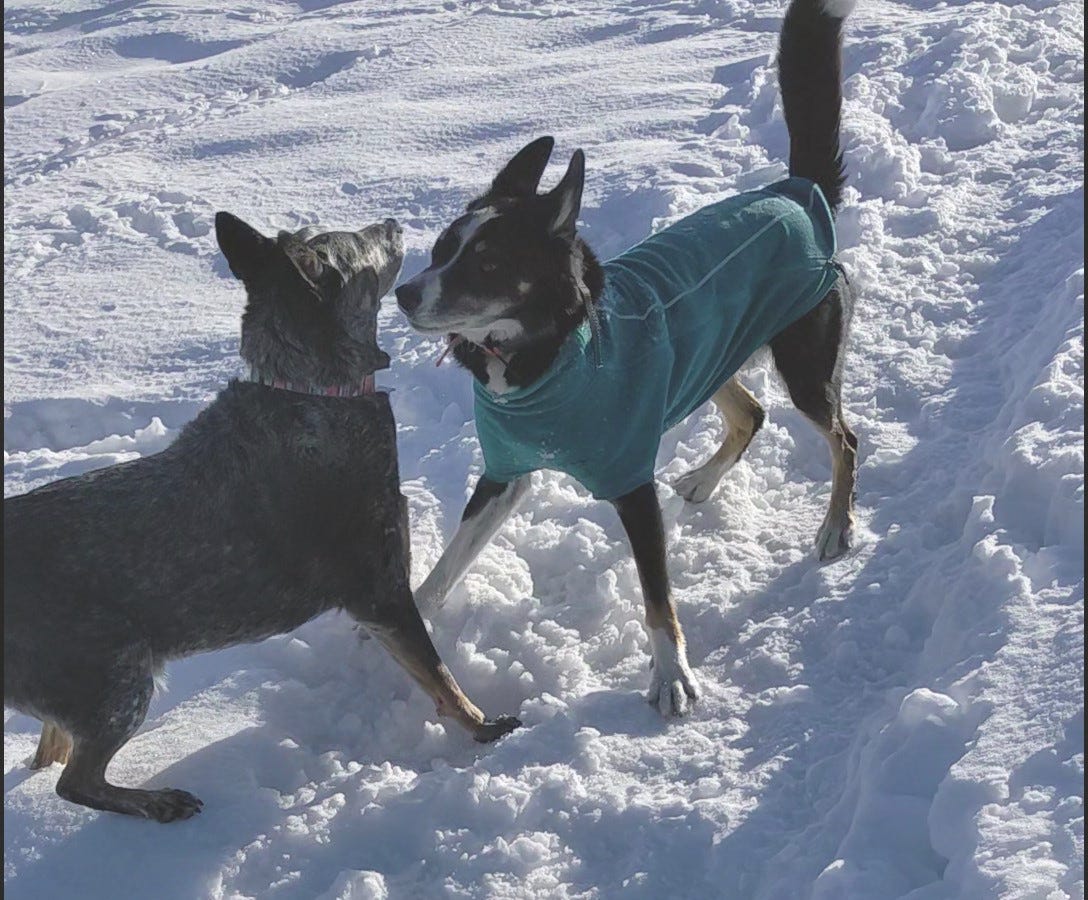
point(809, 356)
point(104, 726)
point(84, 781)
point(403, 634)
point(55, 745)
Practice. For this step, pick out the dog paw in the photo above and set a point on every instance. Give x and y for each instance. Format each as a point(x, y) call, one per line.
point(834, 538)
point(698, 484)
point(55, 746)
point(493, 729)
point(673, 696)
point(673, 688)
point(167, 805)
point(43, 761)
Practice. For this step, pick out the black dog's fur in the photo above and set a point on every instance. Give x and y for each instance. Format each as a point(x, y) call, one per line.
point(510, 281)
point(271, 507)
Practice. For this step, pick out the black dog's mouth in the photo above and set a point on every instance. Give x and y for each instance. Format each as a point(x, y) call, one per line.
point(455, 340)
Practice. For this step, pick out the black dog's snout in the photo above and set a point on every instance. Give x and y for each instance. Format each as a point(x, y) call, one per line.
point(409, 297)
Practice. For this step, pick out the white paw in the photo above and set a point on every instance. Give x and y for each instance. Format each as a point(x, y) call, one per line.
point(834, 537)
point(698, 484)
point(673, 688)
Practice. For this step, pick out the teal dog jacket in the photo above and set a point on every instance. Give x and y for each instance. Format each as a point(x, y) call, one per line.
point(680, 313)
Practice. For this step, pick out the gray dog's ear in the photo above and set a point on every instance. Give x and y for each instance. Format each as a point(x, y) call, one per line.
point(362, 288)
point(563, 202)
point(520, 176)
point(357, 310)
point(302, 256)
point(246, 249)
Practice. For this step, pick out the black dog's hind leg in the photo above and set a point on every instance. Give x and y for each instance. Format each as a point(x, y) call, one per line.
point(401, 630)
point(117, 707)
point(491, 504)
point(809, 355)
point(672, 683)
point(743, 418)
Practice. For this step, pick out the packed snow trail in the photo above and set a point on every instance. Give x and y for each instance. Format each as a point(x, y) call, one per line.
point(905, 722)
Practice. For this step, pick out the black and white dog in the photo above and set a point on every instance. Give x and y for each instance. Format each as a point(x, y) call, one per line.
point(514, 288)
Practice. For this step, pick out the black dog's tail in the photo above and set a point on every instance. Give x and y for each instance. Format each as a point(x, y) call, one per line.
point(810, 77)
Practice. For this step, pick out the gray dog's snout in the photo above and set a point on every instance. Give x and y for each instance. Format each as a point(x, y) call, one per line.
point(393, 228)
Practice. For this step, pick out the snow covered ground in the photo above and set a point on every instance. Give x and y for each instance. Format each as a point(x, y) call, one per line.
point(905, 722)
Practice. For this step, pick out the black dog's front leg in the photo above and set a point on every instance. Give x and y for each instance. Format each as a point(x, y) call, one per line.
point(490, 505)
point(671, 682)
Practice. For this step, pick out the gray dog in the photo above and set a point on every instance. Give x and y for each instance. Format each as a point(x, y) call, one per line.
point(278, 502)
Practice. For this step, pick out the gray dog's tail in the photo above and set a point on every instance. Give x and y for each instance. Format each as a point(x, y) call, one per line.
point(810, 77)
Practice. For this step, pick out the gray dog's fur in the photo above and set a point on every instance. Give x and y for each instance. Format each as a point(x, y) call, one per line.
point(271, 507)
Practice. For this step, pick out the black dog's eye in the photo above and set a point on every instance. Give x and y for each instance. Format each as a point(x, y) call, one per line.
point(488, 266)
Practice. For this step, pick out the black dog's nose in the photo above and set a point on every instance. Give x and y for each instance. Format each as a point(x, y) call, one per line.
point(409, 297)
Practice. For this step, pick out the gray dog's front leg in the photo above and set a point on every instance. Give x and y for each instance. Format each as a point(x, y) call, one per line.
point(491, 504)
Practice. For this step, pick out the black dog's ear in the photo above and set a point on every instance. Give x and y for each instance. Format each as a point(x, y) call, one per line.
point(246, 249)
point(521, 175)
point(563, 202)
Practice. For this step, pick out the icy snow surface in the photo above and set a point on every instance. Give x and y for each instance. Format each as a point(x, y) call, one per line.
point(905, 722)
